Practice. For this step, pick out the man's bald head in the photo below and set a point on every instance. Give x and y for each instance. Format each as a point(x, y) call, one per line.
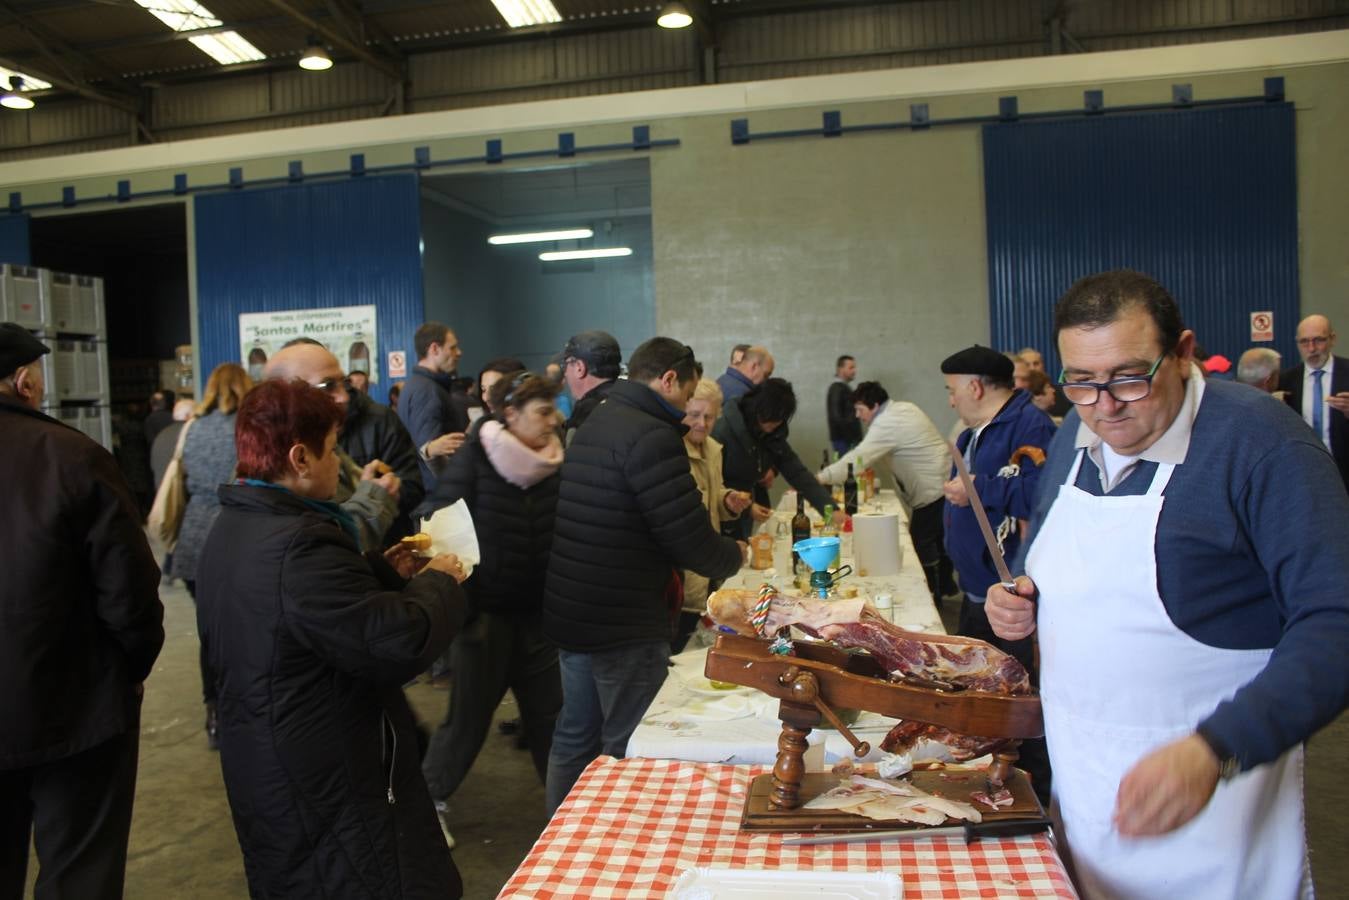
point(312, 364)
point(756, 364)
point(1315, 340)
point(1259, 367)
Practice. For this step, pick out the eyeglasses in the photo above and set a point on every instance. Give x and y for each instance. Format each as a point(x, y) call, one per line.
point(1313, 341)
point(332, 385)
point(1125, 390)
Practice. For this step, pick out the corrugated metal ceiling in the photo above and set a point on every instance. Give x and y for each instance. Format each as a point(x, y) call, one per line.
point(418, 55)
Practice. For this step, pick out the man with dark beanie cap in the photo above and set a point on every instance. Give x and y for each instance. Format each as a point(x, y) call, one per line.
point(1004, 444)
point(591, 363)
point(82, 626)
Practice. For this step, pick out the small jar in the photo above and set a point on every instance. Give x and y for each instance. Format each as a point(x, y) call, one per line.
point(885, 605)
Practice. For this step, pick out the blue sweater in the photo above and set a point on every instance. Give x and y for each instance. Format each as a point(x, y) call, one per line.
point(1018, 424)
point(429, 408)
point(1251, 553)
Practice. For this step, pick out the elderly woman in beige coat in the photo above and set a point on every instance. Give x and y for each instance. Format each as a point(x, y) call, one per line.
point(722, 503)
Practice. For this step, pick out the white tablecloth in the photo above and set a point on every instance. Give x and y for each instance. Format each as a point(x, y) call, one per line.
point(691, 720)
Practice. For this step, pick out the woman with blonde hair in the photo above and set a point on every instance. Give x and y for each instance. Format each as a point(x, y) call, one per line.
point(208, 461)
point(705, 454)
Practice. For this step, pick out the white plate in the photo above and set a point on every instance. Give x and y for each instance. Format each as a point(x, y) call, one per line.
point(705, 883)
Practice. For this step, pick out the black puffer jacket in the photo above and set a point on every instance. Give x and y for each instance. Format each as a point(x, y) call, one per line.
point(583, 408)
point(80, 618)
point(628, 514)
point(310, 642)
point(514, 526)
point(749, 453)
point(373, 431)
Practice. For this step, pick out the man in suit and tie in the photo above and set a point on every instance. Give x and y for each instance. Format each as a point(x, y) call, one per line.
point(1319, 388)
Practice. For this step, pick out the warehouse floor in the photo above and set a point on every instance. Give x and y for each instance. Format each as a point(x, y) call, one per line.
point(183, 844)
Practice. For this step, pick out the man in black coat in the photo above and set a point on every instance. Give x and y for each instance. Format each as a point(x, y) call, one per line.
point(1321, 368)
point(373, 432)
point(80, 628)
point(845, 432)
point(753, 433)
point(368, 492)
point(591, 362)
point(629, 516)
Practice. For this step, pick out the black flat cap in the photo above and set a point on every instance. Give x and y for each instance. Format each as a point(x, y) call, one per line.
point(598, 350)
point(18, 348)
point(978, 360)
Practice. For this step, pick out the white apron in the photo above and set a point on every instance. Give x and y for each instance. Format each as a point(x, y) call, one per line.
point(1118, 680)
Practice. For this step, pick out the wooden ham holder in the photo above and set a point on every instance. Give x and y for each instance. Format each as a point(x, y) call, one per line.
point(821, 678)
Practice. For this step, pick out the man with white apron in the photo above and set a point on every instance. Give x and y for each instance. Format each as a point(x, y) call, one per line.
point(1191, 627)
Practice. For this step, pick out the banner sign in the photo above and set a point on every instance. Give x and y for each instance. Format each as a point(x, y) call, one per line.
point(348, 331)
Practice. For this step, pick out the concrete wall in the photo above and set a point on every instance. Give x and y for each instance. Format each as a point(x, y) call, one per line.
point(874, 244)
point(870, 244)
point(502, 301)
point(461, 282)
point(544, 304)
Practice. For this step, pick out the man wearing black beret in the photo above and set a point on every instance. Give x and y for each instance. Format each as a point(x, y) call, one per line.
point(1003, 443)
point(83, 626)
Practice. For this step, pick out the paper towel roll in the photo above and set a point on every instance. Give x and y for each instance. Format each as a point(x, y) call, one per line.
point(876, 544)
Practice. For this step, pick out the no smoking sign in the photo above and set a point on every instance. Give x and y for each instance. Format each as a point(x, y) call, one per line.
point(1262, 326)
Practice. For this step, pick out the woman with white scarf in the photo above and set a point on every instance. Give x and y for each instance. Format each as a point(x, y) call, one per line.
point(507, 474)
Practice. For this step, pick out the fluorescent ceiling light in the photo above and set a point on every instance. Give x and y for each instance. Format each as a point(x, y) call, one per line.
point(593, 253)
point(226, 47)
point(674, 15)
point(12, 99)
point(316, 59)
point(27, 83)
point(519, 13)
point(533, 237)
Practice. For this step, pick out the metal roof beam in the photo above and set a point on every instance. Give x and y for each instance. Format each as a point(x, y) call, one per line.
point(124, 102)
point(53, 46)
point(394, 68)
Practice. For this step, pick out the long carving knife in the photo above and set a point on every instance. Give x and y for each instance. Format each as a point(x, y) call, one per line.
point(971, 832)
point(990, 539)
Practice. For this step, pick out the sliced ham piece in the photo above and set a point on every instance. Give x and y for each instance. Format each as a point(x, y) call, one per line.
point(907, 735)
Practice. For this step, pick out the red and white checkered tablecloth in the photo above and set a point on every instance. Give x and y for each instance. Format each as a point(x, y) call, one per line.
point(631, 826)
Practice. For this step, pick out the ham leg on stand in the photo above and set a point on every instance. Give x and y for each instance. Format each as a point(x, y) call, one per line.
point(943, 661)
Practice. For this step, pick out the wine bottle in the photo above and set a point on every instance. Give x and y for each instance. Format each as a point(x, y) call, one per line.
point(850, 492)
point(800, 532)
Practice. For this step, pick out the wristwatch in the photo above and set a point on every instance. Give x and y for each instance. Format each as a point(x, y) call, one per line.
point(1229, 766)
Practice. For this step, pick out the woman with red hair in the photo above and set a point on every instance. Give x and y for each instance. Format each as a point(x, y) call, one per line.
point(310, 643)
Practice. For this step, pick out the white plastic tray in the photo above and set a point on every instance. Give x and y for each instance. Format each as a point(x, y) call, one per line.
point(705, 883)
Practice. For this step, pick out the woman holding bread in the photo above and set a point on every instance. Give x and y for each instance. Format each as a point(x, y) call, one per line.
point(310, 642)
point(507, 475)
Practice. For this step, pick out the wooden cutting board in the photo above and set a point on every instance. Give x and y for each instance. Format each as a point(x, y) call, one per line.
point(954, 784)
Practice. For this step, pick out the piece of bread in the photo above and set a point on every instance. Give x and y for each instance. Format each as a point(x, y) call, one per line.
point(419, 543)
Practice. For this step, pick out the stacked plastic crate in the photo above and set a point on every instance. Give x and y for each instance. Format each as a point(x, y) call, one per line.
point(66, 312)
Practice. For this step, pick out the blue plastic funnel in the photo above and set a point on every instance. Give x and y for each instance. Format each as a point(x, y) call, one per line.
point(817, 552)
